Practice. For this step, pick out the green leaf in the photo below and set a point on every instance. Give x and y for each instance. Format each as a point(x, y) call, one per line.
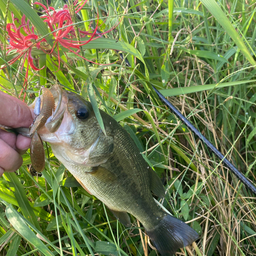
point(59, 74)
point(251, 135)
point(199, 88)
point(122, 115)
point(227, 55)
point(178, 10)
point(106, 248)
point(165, 74)
point(22, 199)
point(178, 186)
point(141, 45)
point(42, 72)
point(20, 225)
point(213, 243)
point(197, 227)
point(245, 227)
point(8, 198)
point(5, 83)
point(57, 178)
point(14, 245)
point(187, 11)
point(184, 156)
point(8, 235)
point(134, 137)
point(95, 108)
point(11, 9)
point(105, 43)
point(214, 8)
point(87, 241)
point(71, 235)
point(3, 222)
point(52, 225)
point(42, 201)
point(184, 209)
point(205, 54)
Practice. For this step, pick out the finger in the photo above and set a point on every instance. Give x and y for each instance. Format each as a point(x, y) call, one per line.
point(19, 143)
point(1, 172)
point(22, 143)
point(16, 109)
point(10, 160)
point(8, 138)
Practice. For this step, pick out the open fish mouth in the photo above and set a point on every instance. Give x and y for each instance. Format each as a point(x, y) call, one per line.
point(49, 109)
point(52, 122)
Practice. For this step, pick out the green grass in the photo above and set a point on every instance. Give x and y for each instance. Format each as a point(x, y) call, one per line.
point(201, 54)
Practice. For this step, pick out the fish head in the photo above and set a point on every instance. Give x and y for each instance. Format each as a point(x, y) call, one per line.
point(73, 130)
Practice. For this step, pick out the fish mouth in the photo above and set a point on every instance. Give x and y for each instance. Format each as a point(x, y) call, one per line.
point(60, 125)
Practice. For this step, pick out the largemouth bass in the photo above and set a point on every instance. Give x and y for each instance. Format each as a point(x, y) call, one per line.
point(111, 168)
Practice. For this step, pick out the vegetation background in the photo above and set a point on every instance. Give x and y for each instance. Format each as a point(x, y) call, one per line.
point(199, 53)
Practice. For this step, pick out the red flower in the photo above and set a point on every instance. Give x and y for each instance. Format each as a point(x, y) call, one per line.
point(23, 39)
point(61, 25)
point(22, 43)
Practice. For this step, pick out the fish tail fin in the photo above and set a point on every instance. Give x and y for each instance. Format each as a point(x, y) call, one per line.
point(170, 234)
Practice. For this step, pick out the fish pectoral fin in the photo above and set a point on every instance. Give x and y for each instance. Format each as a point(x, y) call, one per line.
point(123, 217)
point(102, 151)
point(102, 174)
point(156, 185)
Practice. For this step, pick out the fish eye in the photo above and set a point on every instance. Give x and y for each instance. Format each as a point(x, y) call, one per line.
point(82, 113)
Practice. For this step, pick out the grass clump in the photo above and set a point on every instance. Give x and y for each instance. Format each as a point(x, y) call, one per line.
point(198, 53)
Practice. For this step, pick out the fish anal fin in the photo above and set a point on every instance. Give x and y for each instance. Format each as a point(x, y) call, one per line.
point(123, 217)
point(156, 185)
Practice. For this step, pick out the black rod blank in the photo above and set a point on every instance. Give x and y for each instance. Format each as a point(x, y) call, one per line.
point(239, 175)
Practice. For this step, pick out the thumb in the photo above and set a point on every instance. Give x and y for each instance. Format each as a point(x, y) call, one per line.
point(13, 112)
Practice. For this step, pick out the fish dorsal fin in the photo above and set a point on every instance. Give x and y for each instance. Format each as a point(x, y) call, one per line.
point(156, 185)
point(123, 217)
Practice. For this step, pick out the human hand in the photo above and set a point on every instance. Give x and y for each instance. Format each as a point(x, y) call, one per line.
point(13, 113)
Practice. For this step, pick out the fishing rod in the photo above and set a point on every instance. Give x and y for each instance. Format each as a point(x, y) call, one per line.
point(238, 174)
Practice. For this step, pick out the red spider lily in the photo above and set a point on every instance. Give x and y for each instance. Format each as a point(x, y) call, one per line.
point(57, 19)
point(23, 39)
point(61, 26)
point(22, 43)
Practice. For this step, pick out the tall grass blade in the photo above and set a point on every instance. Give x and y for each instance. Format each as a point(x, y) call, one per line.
point(22, 199)
point(95, 108)
point(19, 224)
point(223, 20)
point(200, 88)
